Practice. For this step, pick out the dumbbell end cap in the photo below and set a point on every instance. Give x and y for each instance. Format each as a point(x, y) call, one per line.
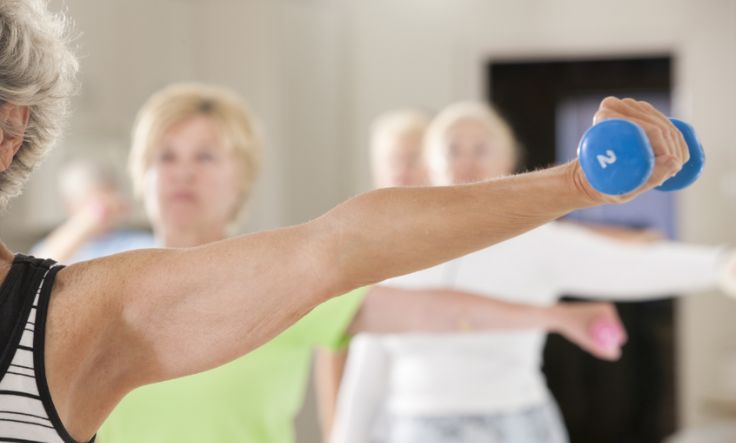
point(691, 170)
point(616, 156)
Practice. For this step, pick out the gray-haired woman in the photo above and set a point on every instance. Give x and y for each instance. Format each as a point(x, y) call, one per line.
point(75, 340)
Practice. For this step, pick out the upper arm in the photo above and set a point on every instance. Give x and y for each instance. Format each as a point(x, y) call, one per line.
point(363, 391)
point(328, 371)
point(188, 310)
point(130, 319)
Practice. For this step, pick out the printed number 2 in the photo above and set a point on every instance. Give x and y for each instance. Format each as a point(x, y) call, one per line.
point(608, 159)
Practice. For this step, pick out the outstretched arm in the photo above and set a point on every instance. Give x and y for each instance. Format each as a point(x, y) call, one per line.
point(622, 233)
point(590, 264)
point(389, 310)
point(329, 367)
point(169, 313)
point(361, 400)
point(100, 213)
point(198, 308)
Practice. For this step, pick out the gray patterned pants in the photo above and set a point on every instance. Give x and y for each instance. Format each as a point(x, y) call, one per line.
point(541, 424)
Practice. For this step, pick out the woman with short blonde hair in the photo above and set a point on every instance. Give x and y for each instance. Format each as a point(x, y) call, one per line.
point(182, 101)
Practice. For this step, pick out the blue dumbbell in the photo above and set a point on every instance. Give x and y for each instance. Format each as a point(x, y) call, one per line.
point(617, 157)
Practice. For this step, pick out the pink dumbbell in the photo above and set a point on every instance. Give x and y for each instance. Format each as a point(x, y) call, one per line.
point(607, 334)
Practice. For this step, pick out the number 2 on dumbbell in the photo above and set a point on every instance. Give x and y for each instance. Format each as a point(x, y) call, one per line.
point(608, 159)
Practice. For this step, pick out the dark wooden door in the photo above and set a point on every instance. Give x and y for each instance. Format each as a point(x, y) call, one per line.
point(549, 105)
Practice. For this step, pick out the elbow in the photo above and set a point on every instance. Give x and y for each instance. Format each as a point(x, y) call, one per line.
point(342, 257)
point(323, 255)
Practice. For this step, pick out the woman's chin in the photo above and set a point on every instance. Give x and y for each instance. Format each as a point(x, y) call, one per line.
point(183, 215)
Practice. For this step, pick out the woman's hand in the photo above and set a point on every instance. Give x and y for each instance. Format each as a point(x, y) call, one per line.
point(102, 211)
point(594, 327)
point(668, 144)
point(728, 275)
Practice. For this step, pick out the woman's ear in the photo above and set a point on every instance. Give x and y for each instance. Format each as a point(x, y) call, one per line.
point(13, 124)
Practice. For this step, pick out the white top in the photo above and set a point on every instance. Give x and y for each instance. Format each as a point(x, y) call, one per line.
point(482, 373)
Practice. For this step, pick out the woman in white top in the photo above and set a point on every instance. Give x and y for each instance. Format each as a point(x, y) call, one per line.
point(488, 387)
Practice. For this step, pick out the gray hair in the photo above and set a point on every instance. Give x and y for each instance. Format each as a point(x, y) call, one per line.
point(38, 70)
point(392, 124)
point(484, 113)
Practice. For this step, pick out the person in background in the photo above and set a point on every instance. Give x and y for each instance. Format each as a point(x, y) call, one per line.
point(96, 206)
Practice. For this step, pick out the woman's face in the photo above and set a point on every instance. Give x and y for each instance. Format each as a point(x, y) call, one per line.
point(472, 154)
point(401, 163)
point(16, 118)
point(193, 179)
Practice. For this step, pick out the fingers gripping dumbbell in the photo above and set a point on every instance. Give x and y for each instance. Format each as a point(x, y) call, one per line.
point(617, 158)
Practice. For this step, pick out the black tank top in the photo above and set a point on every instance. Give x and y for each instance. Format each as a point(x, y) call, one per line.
point(27, 414)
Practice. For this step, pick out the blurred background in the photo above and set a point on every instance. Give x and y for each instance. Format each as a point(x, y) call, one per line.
point(316, 72)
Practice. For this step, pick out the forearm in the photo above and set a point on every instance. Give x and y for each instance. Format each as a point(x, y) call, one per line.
point(630, 271)
point(624, 234)
point(65, 241)
point(328, 370)
point(388, 310)
point(396, 231)
point(670, 269)
point(393, 311)
point(363, 391)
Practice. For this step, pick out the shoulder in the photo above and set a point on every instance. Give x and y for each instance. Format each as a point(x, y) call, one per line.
point(114, 243)
point(85, 344)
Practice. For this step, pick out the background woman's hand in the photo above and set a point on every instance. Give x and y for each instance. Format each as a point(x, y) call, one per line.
point(594, 327)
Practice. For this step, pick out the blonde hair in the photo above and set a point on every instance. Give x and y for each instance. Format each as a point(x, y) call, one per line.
point(391, 125)
point(38, 71)
point(179, 102)
point(436, 139)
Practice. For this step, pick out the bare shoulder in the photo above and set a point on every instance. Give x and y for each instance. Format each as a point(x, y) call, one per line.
point(91, 292)
point(90, 348)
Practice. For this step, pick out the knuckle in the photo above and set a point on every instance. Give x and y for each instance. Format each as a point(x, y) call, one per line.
point(655, 133)
point(646, 105)
point(609, 102)
point(630, 101)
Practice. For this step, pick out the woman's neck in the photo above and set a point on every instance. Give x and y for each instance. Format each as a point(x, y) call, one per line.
point(189, 237)
point(6, 253)
point(6, 260)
